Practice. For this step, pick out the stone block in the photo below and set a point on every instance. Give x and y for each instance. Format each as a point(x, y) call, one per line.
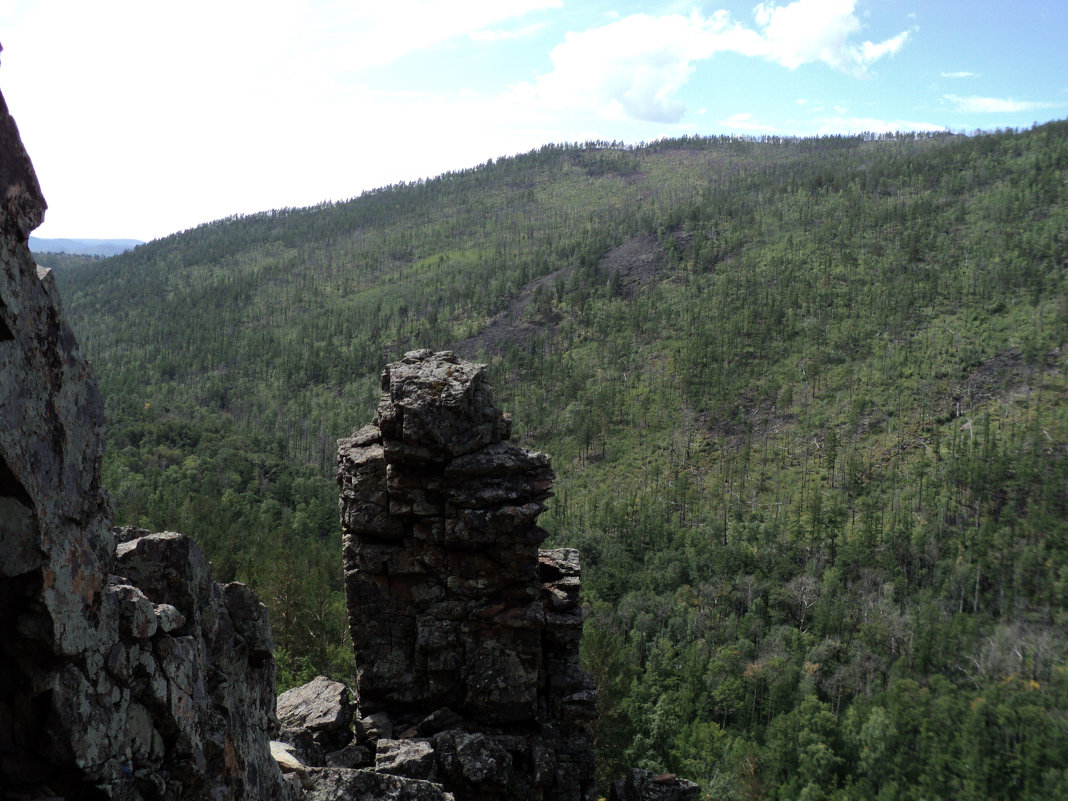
point(322, 707)
point(413, 758)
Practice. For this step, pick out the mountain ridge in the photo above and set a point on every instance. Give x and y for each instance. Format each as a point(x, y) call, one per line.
point(815, 465)
point(83, 247)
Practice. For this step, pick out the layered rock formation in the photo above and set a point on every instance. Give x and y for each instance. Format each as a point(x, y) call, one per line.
point(466, 636)
point(317, 749)
point(125, 671)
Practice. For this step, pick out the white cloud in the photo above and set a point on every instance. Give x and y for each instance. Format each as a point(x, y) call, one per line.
point(855, 125)
point(822, 123)
point(961, 74)
point(498, 35)
point(807, 31)
point(994, 105)
point(743, 121)
point(635, 66)
point(184, 114)
point(374, 34)
point(869, 52)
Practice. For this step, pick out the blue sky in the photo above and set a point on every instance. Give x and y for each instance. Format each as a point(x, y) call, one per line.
point(147, 118)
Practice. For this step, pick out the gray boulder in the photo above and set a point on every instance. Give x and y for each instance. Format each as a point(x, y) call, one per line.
point(330, 784)
point(412, 758)
point(318, 714)
point(644, 785)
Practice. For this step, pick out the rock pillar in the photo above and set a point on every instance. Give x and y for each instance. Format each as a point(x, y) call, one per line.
point(455, 614)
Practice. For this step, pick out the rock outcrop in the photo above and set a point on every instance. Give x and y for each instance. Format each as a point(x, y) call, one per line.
point(316, 720)
point(125, 671)
point(466, 636)
point(316, 748)
point(644, 785)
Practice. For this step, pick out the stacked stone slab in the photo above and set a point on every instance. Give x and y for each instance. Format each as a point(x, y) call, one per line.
point(125, 671)
point(644, 785)
point(454, 612)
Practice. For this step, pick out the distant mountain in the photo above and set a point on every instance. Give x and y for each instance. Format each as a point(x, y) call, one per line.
point(86, 247)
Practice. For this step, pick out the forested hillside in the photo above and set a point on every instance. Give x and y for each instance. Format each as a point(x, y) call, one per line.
point(807, 402)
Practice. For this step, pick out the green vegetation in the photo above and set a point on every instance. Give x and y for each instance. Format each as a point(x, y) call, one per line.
point(64, 261)
point(806, 400)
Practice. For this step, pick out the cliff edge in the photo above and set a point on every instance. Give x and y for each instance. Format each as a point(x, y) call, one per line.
point(126, 672)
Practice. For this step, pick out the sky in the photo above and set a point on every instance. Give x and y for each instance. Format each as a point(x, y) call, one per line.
point(145, 118)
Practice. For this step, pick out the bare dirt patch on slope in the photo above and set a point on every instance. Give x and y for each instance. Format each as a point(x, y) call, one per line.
point(638, 262)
